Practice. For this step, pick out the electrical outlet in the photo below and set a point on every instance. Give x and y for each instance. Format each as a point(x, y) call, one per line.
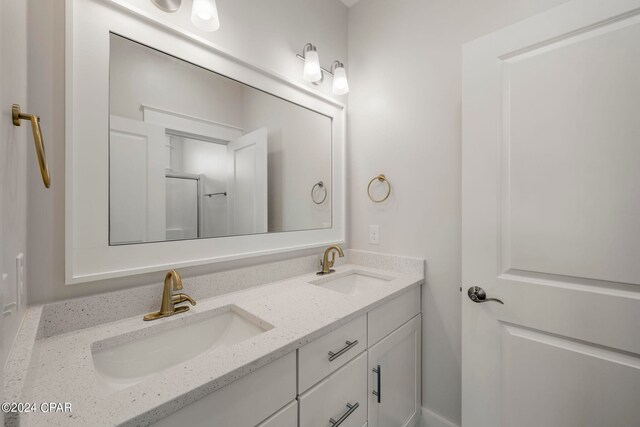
point(374, 234)
point(19, 278)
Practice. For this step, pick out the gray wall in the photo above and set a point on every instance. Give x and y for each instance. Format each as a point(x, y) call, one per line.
point(15, 154)
point(405, 63)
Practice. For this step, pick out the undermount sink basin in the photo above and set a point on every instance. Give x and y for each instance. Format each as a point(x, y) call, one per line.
point(352, 282)
point(125, 360)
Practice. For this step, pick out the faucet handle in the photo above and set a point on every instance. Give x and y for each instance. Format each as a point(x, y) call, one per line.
point(180, 298)
point(331, 261)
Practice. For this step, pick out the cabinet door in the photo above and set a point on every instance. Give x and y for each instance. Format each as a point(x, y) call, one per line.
point(243, 403)
point(395, 377)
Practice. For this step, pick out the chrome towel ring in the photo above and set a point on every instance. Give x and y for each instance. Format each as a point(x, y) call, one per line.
point(380, 178)
point(320, 185)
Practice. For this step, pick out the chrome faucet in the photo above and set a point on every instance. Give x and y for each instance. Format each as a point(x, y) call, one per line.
point(326, 264)
point(172, 282)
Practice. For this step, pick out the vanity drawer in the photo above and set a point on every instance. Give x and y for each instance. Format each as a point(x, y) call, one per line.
point(243, 403)
point(388, 317)
point(329, 399)
point(314, 360)
point(286, 417)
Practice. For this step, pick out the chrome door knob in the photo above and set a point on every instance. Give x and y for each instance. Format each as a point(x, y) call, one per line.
point(477, 294)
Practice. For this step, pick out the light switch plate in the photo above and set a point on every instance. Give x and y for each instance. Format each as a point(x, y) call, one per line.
point(374, 234)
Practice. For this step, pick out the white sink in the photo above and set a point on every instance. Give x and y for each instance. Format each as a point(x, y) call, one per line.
point(123, 361)
point(352, 282)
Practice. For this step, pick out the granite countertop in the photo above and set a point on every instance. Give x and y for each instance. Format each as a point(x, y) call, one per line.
point(60, 368)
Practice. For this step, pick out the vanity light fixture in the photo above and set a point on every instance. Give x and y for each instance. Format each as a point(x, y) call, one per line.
point(168, 6)
point(204, 15)
point(340, 83)
point(314, 73)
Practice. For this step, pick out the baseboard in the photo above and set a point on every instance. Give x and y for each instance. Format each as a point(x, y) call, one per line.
point(431, 419)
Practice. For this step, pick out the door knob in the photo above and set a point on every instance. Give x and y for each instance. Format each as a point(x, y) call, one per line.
point(477, 294)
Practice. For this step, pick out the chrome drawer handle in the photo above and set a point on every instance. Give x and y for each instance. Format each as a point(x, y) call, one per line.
point(350, 409)
point(349, 345)
point(378, 393)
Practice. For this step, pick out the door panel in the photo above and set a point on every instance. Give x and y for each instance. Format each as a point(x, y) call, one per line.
point(128, 188)
point(137, 211)
point(247, 183)
point(573, 138)
point(550, 219)
point(574, 383)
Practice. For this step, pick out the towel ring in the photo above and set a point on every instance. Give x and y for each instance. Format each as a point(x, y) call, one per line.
point(380, 178)
point(319, 184)
point(16, 116)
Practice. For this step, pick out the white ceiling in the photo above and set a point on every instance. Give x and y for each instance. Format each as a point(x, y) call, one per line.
point(349, 3)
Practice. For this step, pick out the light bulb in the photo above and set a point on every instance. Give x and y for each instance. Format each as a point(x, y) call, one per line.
point(312, 71)
point(204, 15)
point(340, 83)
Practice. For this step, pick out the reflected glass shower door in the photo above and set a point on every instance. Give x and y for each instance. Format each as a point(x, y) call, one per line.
point(182, 197)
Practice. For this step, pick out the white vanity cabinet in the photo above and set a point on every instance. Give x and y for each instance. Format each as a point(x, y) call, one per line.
point(245, 402)
point(388, 340)
point(394, 375)
point(365, 373)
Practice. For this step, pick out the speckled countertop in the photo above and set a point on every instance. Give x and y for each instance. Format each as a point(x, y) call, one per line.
point(60, 368)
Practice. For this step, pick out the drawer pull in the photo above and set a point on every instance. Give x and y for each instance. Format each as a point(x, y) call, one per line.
point(350, 409)
point(349, 345)
point(378, 393)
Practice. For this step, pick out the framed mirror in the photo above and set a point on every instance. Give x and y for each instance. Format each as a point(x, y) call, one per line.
point(194, 154)
point(179, 153)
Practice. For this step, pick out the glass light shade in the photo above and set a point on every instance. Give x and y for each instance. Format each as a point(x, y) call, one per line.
point(340, 83)
point(204, 15)
point(312, 72)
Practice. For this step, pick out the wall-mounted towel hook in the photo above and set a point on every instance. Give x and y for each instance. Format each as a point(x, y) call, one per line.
point(16, 116)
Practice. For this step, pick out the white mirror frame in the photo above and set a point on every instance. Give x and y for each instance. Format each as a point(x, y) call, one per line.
point(88, 254)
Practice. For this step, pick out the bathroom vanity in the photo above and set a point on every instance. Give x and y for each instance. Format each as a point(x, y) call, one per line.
point(349, 375)
point(181, 154)
point(298, 352)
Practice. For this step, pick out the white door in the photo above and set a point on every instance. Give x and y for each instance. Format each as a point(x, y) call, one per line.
point(395, 378)
point(551, 220)
point(247, 183)
point(137, 159)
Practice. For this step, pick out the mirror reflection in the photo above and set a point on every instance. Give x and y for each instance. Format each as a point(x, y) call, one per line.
point(194, 154)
